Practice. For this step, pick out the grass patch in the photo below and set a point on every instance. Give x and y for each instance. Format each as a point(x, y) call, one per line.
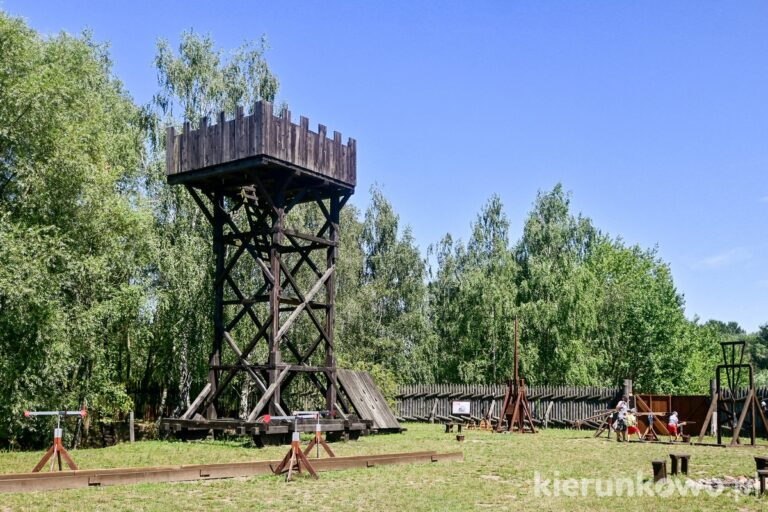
point(498, 473)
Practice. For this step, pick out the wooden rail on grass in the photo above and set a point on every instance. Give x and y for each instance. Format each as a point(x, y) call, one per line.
point(30, 482)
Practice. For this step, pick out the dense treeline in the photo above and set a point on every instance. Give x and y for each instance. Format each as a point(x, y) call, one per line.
point(106, 272)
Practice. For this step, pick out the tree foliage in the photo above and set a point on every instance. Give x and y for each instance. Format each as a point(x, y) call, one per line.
point(74, 255)
point(106, 272)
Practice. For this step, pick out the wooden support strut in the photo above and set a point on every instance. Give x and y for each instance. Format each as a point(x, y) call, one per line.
point(268, 394)
point(312, 292)
point(197, 402)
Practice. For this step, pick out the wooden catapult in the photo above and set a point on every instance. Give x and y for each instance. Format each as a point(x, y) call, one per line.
point(728, 409)
point(515, 406)
point(57, 450)
point(274, 284)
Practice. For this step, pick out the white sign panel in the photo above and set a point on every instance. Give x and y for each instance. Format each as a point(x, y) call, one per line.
point(459, 407)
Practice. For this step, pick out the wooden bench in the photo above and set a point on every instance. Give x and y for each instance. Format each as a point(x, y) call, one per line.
point(683, 458)
point(659, 470)
point(762, 474)
point(761, 463)
point(449, 428)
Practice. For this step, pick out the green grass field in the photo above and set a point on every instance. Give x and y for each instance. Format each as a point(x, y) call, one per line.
point(497, 473)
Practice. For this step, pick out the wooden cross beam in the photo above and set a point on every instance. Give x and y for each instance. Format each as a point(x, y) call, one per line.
point(312, 292)
point(268, 394)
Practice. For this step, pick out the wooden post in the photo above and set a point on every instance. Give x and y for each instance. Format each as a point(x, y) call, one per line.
point(752, 405)
point(516, 365)
point(627, 388)
point(713, 399)
point(546, 414)
point(718, 387)
point(220, 251)
point(274, 303)
point(330, 299)
point(130, 427)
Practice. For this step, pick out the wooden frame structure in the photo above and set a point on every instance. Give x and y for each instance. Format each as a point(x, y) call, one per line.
point(515, 407)
point(726, 408)
point(248, 175)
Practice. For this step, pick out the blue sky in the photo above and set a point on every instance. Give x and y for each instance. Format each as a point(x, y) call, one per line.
point(653, 114)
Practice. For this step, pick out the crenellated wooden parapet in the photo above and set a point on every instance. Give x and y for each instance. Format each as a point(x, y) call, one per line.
point(261, 135)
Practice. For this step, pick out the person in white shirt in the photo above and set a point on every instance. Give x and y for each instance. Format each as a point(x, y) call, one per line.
point(620, 424)
point(672, 425)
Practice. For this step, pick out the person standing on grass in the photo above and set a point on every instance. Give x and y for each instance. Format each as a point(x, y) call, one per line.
point(672, 425)
point(632, 428)
point(620, 425)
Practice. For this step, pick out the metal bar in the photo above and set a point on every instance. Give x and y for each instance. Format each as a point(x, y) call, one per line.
point(55, 413)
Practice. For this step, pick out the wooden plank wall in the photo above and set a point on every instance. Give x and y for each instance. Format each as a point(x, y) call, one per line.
point(261, 133)
point(564, 403)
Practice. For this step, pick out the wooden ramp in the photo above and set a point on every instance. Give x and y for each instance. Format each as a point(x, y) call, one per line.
point(368, 400)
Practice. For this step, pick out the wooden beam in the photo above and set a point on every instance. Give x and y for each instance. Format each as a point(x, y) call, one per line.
point(199, 400)
point(233, 370)
point(311, 238)
point(304, 302)
point(737, 429)
point(661, 427)
point(708, 418)
point(762, 415)
point(268, 394)
point(316, 288)
point(246, 365)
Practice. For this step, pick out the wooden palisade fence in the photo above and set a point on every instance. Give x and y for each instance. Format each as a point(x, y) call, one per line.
point(551, 406)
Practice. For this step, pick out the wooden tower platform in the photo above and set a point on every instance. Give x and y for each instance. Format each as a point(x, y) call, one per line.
point(273, 274)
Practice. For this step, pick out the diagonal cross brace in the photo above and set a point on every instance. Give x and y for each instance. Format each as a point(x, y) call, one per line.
point(316, 288)
point(268, 394)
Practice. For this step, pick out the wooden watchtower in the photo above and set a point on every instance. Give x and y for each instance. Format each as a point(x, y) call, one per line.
point(247, 175)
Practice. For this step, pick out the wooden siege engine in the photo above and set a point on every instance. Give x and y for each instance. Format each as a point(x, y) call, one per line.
point(275, 276)
point(515, 408)
point(728, 410)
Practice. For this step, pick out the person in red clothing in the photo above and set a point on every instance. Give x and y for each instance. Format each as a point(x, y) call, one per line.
point(632, 428)
point(672, 425)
